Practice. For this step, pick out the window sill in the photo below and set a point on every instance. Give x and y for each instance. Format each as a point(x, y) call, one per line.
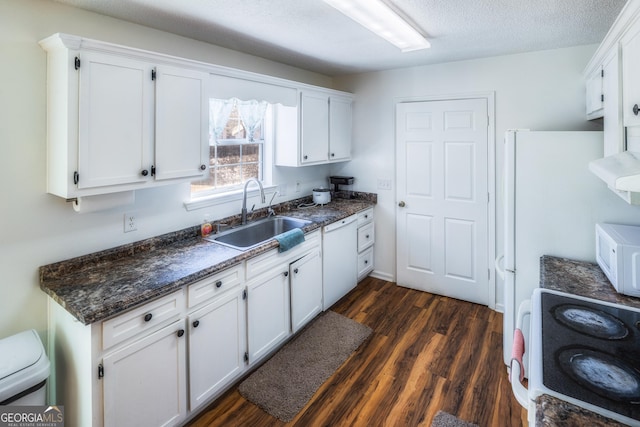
point(223, 198)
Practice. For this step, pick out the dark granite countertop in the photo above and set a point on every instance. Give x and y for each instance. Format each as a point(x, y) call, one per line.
point(584, 279)
point(100, 285)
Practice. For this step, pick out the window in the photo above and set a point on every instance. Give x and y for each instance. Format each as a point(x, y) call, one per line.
point(236, 145)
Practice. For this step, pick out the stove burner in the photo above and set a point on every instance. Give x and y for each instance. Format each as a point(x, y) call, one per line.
point(590, 321)
point(602, 373)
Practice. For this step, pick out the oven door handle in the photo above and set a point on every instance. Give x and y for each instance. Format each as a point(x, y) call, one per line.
point(517, 369)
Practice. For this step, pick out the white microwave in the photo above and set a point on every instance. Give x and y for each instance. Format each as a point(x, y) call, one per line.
point(618, 255)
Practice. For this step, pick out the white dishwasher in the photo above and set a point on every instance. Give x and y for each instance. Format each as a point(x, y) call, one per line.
point(339, 259)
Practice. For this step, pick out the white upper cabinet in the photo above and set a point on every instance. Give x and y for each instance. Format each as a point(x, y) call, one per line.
point(314, 127)
point(612, 123)
point(612, 85)
point(630, 76)
point(121, 119)
point(595, 98)
point(325, 130)
point(115, 121)
point(339, 129)
point(181, 123)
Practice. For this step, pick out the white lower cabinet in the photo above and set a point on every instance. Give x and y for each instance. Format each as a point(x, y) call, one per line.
point(159, 363)
point(268, 311)
point(217, 346)
point(306, 289)
point(366, 240)
point(144, 383)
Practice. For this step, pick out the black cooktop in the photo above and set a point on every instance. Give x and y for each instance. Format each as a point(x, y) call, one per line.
point(591, 352)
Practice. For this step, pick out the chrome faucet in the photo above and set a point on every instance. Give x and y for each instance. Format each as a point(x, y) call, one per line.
point(270, 210)
point(244, 198)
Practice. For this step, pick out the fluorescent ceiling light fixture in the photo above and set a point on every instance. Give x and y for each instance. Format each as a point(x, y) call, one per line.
point(379, 18)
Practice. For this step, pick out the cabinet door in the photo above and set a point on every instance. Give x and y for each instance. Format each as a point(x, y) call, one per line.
point(115, 121)
point(217, 343)
point(594, 94)
point(268, 312)
point(612, 118)
point(145, 383)
point(181, 143)
point(314, 133)
point(630, 77)
point(339, 129)
point(306, 289)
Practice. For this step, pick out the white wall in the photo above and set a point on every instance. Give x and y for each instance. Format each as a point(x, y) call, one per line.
point(540, 91)
point(38, 228)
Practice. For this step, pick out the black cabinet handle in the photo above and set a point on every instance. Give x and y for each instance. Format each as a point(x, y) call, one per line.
point(148, 317)
point(636, 109)
point(218, 283)
point(367, 236)
point(144, 172)
point(333, 154)
point(295, 271)
point(305, 157)
point(203, 167)
point(180, 333)
point(196, 323)
point(366, 262)
point(286, 274)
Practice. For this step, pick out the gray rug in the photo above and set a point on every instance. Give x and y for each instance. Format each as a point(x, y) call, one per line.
point(444, 419)
point(286, 382)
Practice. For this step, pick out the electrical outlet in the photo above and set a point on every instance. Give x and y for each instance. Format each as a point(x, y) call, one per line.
point(130, 222)
point(384, 184)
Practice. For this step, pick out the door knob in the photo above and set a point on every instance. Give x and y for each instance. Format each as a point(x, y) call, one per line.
point(401, 204)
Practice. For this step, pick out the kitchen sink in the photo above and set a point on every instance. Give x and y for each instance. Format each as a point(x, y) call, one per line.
point(251, 235)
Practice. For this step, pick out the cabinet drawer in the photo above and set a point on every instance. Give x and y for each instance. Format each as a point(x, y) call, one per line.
point(267, 261)
point(366, 236)
point(365, 263)
point(365, 217)
point(141, 319)
point(217, 284)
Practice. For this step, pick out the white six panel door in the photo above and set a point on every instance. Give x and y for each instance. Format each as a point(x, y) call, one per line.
point(442, 212)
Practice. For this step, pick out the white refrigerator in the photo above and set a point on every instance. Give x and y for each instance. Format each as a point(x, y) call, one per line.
point(551, 205)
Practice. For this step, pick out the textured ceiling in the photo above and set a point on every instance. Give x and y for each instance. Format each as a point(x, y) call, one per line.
point(312, 35)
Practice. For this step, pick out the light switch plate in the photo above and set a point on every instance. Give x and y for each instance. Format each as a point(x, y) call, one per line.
point(384, 184)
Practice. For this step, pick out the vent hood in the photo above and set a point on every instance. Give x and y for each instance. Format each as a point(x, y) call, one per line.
point(621, 171)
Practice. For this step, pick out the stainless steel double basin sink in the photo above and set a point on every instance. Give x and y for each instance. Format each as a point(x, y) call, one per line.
point(256, 233)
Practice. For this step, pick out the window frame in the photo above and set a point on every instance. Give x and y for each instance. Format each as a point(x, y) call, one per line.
point(205, 198)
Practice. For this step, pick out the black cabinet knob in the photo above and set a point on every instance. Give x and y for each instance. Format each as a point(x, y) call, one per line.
point(144, 172)
point(196, 323)
point(636, 110)
point(305, 157)
point(367, 236)
point(148, 317)
point(333, 154)
point(180, 333)
point(286, 274)
point(295, 271)
point(203, 167)
point(218, 283)
point(366, 262)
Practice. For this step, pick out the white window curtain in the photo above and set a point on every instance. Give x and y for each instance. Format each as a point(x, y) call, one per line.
point(219, 112)
point(251, 113)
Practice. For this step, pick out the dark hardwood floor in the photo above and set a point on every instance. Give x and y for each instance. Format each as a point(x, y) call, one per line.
point(426, 353)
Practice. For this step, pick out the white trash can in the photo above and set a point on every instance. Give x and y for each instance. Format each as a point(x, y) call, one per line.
point(24, 369)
